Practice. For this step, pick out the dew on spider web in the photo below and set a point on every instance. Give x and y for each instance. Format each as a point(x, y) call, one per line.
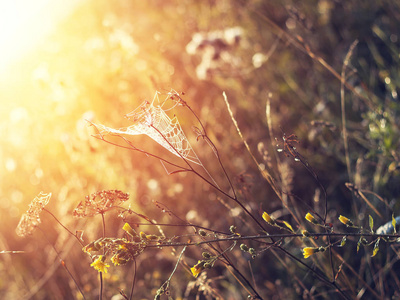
point(153, 121)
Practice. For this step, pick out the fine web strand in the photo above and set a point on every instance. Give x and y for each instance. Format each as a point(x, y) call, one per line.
point(152, 121)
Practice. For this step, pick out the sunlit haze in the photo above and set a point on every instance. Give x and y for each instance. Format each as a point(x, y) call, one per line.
point(24, 23)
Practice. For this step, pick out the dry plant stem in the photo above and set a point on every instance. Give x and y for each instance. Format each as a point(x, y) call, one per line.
point(177, 263)
point(264, 173)
point(69, 231)
point(305, 49)
point(167, 282)
point(191, 169)
point(213, 147)
point(62, 261)
point(278, 162)
point(376, 195)
point(227, 261)
point(388, 266)
point(241, 283)
point(319, 276)
point(343, 109)
point(181, 225)
point(230, 264)
point(182, 169)
point(357, 275)
point(359, 194)
point(101, 273)
point(252, 274)
point(133, 280)
point(272, 236)
point(300, 282)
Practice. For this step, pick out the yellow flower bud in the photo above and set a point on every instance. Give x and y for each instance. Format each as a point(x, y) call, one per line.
point(129, 229)
point(310, 218)
point(308, 251)
point(267, 218)
point(197, 268)
point(345, 221)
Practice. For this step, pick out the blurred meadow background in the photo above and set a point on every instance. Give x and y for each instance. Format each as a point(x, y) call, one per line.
point(319, 64)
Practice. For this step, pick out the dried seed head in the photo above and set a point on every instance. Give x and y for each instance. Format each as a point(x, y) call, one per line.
point(31, 219)
point(99, 203)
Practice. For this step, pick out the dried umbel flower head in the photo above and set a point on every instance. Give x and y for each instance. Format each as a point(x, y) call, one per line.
point(99, 203)
point(31, 219)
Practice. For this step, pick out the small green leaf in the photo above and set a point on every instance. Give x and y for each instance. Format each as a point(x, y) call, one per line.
point(394, 224)
point(371, 223)
point(343, 242)
point(358, 244)
point(376, 248)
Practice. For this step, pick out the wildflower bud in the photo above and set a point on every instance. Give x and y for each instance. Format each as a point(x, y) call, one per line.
point(308, 251)
point(267, 218)
point(310, 218)
point(197, 268)
point(142, 235)
point(345, 221)
point(151, 237)
point(252, 251)
point(206, 255)
point(232, 229)
point(207, 265)
point(305, 233)
point(244, 247)
point(202, 232)
point(129, 229)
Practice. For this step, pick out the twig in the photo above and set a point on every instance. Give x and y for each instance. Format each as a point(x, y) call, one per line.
point(343, 109)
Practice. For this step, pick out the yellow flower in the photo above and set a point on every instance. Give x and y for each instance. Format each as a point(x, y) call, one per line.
point(197, 268)
point(345, 221)
point(308, 251)
point(122, 247)
point(100, 265)
point(267, 218)
point(310, 218)
point(129, 229)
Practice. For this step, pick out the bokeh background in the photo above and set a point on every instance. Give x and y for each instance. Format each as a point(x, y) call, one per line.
point(64, 65)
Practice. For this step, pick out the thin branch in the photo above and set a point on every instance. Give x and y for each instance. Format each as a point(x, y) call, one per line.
point(343, 108)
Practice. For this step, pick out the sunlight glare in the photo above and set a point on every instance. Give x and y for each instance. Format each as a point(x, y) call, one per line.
point(24, 23)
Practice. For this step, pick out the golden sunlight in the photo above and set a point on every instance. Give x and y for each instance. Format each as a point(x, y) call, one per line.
point(24, 23)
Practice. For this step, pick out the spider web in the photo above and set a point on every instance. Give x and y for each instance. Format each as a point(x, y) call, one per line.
point(154, 122)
